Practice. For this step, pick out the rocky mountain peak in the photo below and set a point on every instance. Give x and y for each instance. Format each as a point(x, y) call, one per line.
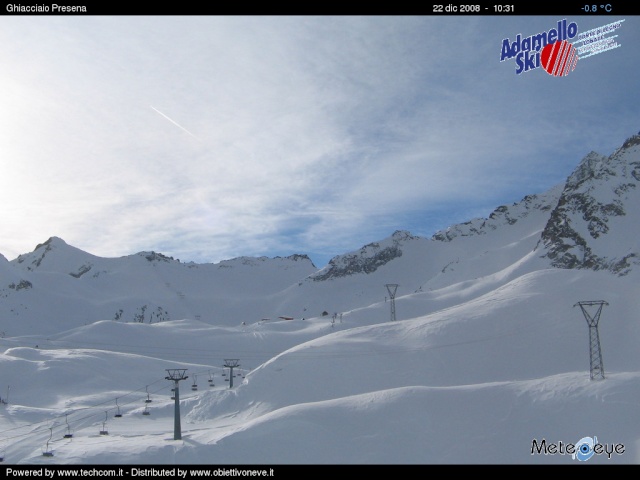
point(296, 257)
point(366, 260)
point(35, 258)
point(586, 230)
point(593, 165)
point(501, 216)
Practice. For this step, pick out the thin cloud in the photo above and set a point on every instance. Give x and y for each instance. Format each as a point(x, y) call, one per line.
point(173, 121)
point(315, 134)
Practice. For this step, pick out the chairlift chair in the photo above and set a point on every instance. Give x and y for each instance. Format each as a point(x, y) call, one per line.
point(146, 411)
point(118, 414)
point(47, 452)
point(104, 430)
point(68, 434)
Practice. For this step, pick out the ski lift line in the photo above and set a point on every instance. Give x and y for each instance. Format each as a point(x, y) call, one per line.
point(36, 424)
point(121, 404)
point(31, 432)
point(337, 355)
point(132, 392)
point(90, 407)
point(510, 333)
point(315, 355)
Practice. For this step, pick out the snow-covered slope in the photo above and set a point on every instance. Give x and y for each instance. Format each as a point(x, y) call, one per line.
point(148, 287)
point(588, 223)
point(473, 383)
point(488, 355)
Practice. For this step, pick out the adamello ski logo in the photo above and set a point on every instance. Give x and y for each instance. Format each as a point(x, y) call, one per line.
point(557, 50)
point(582, 450)
point(549, 50)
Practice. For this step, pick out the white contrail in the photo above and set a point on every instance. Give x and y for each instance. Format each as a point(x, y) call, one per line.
point(173, 121)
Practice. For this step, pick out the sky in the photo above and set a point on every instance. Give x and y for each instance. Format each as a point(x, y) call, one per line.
point(211, 137)
point(483, 357)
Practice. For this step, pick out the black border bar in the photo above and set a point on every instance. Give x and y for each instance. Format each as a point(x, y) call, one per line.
point(469, 8)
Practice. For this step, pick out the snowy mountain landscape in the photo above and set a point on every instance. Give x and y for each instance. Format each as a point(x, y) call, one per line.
point(487, 360)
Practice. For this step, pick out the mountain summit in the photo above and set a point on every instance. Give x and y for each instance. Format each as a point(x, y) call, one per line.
point(590, 222)
point(483, 361)
point(594, 224)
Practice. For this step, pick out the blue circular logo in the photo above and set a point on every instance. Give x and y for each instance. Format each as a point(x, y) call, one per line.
point(584, 448)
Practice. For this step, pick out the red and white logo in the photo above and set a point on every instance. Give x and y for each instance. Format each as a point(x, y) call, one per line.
point(559, 58)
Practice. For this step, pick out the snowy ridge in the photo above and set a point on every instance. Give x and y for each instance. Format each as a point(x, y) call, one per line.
point(572, 226)
point(503, 215)
point(488, 354)
point(367, 260)
point(590, 227)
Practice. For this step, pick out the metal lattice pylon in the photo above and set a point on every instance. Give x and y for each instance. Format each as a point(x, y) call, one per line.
point(231, 363)
point(392, 288)
point(176, 374)
point(595, 352)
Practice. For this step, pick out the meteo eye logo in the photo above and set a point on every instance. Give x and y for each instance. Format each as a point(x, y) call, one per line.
point(582, 450)
point(552, 50)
